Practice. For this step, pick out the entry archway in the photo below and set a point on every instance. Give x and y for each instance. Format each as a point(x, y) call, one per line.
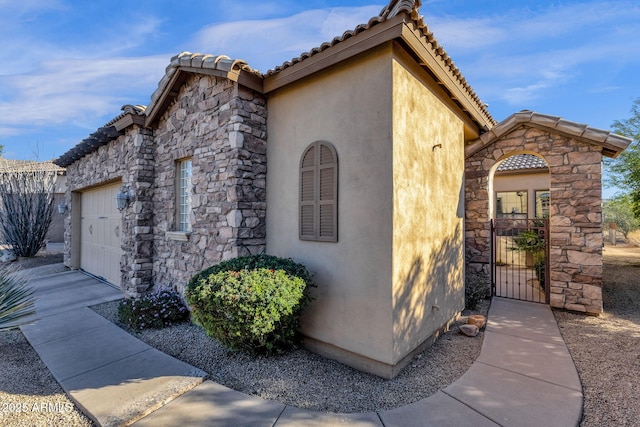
point(519, 211)
point(573, 153)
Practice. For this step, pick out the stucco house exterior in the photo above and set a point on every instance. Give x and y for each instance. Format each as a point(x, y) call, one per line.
point(350, 159)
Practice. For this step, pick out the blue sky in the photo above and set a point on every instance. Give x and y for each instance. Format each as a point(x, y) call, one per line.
point(68, 66)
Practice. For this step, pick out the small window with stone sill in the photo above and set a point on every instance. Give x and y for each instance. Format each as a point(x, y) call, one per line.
point(183, 195)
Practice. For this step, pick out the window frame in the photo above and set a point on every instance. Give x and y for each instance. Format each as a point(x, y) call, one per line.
point(523, 211)
point(536, 194)
point(183, 195)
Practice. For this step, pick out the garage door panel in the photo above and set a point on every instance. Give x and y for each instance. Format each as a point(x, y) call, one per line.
point(99, 241)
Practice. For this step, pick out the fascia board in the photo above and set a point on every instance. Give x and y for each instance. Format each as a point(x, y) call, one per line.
point(415, 41)
point(359, 43)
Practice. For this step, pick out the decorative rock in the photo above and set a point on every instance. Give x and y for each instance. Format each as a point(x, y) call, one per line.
point(477, 319)
point(469, 330)
point(8, 256)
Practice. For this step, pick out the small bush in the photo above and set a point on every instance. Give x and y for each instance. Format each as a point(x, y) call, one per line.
point(475, 290)
point(154, 310)
point(251, 303)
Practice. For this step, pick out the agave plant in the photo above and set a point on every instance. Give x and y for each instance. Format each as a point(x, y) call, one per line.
point(17, 301)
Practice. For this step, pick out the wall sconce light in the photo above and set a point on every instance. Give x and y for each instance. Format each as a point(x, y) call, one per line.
point(62, 207)
point(122, 200)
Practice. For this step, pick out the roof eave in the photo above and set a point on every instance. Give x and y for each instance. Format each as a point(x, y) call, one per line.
point(128, 120)
point(100, 137)
point(612, 144)
point(399, 28)
point(432, 62)
point(356, 44)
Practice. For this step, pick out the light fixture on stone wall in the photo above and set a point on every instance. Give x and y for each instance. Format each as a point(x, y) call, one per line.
point(122, 200)
point(62, 207)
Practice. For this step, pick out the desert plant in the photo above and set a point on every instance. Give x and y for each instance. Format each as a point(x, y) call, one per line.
point(532, 242)
point(154, 310)
point(476, 289)
point(619, 210)
point(26, 209)
point(251, 303)
point(17, 301)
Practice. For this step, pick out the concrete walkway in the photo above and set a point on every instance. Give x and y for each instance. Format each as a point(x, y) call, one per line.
point(113, 377)
point(523, 377)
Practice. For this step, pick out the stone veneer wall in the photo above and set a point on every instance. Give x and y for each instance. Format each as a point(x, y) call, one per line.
point(129, 158)
point(575, 213)
point(222, 127)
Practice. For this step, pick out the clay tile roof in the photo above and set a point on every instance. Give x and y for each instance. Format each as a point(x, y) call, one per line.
point(138, 110)
point(612, 143)
point(220, 65)
point(100, 137)
point(185, 59)
point(522, 161)
point(236, 68)
point(7, 165)
point(393, 9)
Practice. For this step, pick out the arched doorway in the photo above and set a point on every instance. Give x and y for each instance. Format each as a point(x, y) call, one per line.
point(574, 154)
point(519, 206)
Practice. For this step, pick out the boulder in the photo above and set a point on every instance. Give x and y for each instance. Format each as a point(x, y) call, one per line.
point(8, 256)
point(469, 330)
point(477, 319)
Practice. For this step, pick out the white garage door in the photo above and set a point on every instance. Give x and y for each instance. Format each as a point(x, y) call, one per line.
point(100, 233)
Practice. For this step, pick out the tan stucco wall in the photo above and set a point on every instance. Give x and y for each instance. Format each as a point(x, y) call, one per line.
point(395, 276)
point(349, 107)
point(530, 182)
point(428, 171)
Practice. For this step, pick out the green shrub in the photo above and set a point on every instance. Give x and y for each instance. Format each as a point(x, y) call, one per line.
point(476, 289)
point(154, 310)
point(251, 303)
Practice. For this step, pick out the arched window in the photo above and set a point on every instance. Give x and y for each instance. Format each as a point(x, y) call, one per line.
point(319, 193)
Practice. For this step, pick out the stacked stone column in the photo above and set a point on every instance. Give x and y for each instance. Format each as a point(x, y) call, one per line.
point(221, 126)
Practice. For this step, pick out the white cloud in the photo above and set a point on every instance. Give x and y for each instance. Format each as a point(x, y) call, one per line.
point(47, 83)
point(265, 44)
point(523, 55)
point(66, 90)
point(515, 57)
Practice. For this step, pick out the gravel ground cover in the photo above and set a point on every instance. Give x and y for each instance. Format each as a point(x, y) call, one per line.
point(305, 380)
point(606, 349)
point(29, 394)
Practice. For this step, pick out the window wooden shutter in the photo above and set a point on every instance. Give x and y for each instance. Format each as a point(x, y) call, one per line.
point(319, 193)
point(308, 194)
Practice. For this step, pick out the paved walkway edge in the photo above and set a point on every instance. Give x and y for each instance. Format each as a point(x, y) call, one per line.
point(524, 375)
point(113, 377)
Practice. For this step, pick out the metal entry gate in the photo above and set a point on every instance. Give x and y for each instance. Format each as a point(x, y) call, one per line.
point(519, 259)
